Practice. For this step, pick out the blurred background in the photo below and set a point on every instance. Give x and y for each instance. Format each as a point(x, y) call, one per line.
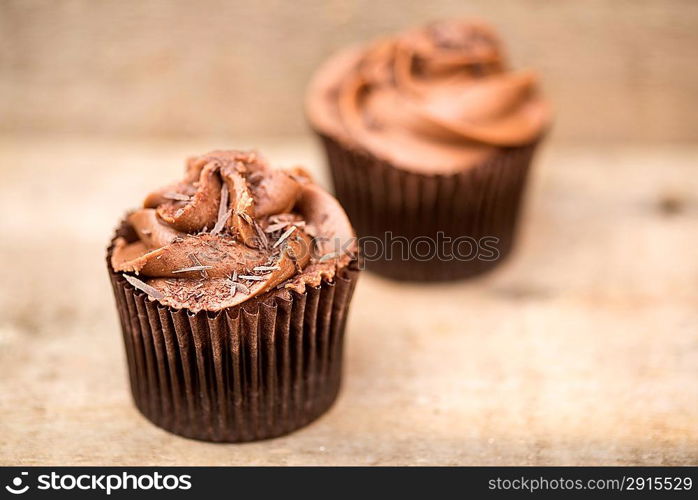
point(581, 349)
point(616, 71)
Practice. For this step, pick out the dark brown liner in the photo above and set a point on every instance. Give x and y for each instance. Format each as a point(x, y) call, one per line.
point(481, 201)
point(254, 371)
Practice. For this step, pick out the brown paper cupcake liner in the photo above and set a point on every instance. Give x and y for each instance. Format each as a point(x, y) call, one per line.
point(254, 371)
point(480, 202)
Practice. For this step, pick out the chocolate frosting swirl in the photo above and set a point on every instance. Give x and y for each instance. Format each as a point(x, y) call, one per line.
point(436, 99)
point(231, 230)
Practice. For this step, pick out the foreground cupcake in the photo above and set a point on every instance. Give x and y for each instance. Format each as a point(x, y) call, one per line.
point(429, 137)
point(233, 287)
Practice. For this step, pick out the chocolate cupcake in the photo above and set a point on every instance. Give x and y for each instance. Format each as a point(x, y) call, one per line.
point(232, 288)
point(429, 136)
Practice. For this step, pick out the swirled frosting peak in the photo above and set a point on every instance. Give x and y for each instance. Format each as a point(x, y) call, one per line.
point(231, 230)
point(436, 99)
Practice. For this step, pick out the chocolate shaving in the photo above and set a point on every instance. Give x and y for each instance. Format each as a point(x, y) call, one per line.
point(251, 277)
point(195, 259)
point(144, 287)
point(244, 217)
point(233, 286)
point(255, 178)
point(272, 228)
point(263, 240)
point(176, 196)
point(329, 256)
point(223, 211)
point(242, 288)
point(294, 258)
point(192, 268)
point(283, 237)
point(208, 256)
point(220, 223)
point(266, 268)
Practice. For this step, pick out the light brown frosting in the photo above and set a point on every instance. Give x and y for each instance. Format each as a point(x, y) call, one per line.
point(231, 230)
point(435, 100)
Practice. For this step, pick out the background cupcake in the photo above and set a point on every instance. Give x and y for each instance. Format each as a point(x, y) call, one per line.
point(429, 136)
point(232, 287)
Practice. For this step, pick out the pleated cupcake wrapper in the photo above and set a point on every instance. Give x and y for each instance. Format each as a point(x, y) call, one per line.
point(250, 372)
point(481, 201)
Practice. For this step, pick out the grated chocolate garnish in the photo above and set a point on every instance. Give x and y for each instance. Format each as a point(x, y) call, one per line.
point(244, 217)
point(144, 287)
point(255, 178)
point(283, 237)
point(220, 223)
point(264, 241)
point(242, 288)
point(294, 258)
point(210, 257)
point(329, 256)
point(251, 277)
point(176, 196)
point(192, 268)
point(232, 279)
point(223, 211)
point(266, 269)
point(195, 259)
point(272, 228)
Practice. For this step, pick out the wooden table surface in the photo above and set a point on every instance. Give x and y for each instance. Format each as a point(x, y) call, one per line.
point(582, 349)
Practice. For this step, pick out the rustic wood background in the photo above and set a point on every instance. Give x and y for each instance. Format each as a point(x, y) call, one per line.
point(615, 70)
